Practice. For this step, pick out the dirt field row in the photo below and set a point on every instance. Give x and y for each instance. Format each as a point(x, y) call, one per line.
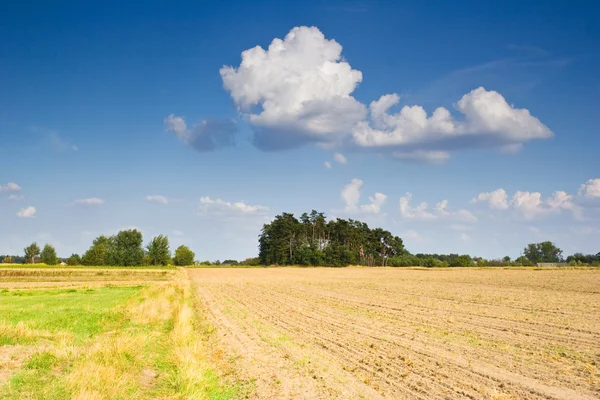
point(414, 334)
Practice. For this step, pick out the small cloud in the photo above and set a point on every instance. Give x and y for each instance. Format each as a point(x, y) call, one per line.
point(176, 232)
point(340, 158)
point(374, 207)
point(16, 197)
point(534, 229)
point(91, 201)
point(350, 194)
point(157, 199)
point(327, 164)
point(75, 148)
point(530, 205)
point(465, 238)
point(218, 207)
point(28, 212)
point(207, 135)
point(590, 189)
point(10, 187)
point(422, 212)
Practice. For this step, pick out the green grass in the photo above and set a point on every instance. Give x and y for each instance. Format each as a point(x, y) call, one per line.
point(108, 342)
point(80, 312)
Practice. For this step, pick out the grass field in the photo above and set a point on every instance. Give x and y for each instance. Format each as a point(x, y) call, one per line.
point(104, 334)
point(299, 333)
point(409, 333)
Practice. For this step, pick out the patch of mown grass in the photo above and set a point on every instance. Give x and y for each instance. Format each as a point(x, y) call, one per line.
point(110, 342)
point(80, 312)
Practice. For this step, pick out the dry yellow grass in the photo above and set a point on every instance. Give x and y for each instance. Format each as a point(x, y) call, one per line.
point(154, 347)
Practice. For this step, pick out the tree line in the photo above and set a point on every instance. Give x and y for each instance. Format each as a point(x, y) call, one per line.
point(123, 249)
point(311, 240)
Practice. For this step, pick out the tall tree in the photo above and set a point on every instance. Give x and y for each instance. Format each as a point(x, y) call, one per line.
point(31, 252)
point(542, 252)
point(74, 260)
point(48, 255)
point(98, 253)
point(183, 256)
point(158, 251)
point(127, 249)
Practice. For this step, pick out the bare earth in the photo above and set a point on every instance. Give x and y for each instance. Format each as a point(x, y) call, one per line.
point(395, 333)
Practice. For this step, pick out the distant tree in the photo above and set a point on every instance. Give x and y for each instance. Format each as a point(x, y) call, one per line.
point(522, 260)
point(31, 252)
point(506, 259)
point(7, 260)
point(230, 262)
point(183, 256)
point(461, 261)
point(254, 261)
point(99, 251)
point(48, 255)
point(542, 252)
point(126, 249)
point(74, 260)
point(158, 251)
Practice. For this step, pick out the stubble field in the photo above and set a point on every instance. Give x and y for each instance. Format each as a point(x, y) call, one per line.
point(407, 333)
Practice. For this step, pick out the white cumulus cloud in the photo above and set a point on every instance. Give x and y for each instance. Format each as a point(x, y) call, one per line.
point(28, 212)
point(376, 201)
point(421, 211)
point(498, 199)
point(217, 207)
point(590, 189)
point(302, 87)
point(530, 205)
point(487, 119)
point(327, 164)
point(159, 199)
point(299, 90)
point(10, 187)
point(350, 196)
point(340, 158)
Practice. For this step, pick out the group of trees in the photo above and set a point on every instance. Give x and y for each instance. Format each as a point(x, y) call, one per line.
point(123, 249)
point(47, 255)
point(312, 240)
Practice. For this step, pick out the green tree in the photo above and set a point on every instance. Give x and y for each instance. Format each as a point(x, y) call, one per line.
point(183, 256)
point(158, 251)
point(506, 259)
point(31, 252)
point(48, 255)
point(99, 251)
point(126, 249)
point(542, 252)
point(74, 260)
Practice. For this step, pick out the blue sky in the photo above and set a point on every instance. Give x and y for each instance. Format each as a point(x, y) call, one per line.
point(116, 116)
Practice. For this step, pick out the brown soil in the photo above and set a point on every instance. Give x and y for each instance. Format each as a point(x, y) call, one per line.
point(415, 334)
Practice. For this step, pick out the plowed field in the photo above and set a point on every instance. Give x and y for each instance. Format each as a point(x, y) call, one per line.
point(408, 333)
